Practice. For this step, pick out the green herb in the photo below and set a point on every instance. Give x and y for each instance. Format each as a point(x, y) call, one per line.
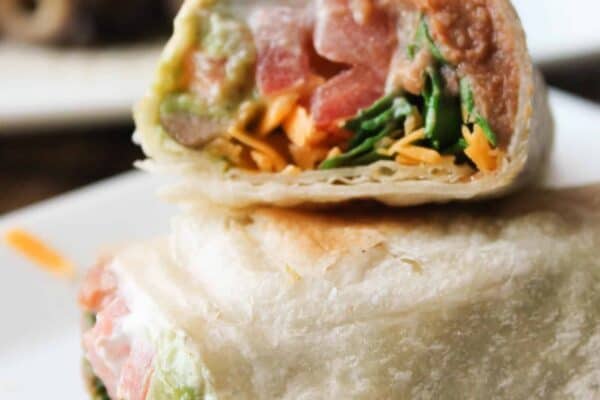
point(467, 99)
point(423, 39)
point(371, 125)
point(399, 108)
point(442, 112)
point(378, 122)
point(487, 130)
point(369, 158)
point(457, 148)
point(350, 158)
point(377, 108)
point(473, 115)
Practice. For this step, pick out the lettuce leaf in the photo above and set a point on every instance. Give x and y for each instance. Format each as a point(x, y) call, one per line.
point(177, 371)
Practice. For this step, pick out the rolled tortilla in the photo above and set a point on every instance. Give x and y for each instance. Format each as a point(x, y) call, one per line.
point(360, 304)
point(405, 102)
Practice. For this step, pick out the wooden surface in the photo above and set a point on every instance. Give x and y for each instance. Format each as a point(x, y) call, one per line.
point(37, 166)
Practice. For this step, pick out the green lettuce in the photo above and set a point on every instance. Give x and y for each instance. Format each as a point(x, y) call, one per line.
point(177, 371)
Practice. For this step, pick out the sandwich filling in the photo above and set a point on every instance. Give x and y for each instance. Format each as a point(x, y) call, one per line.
point(134, 356)
point(344, 83)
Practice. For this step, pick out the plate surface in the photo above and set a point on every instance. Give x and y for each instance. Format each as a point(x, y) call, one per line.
point(39, 339)
point(52, 88)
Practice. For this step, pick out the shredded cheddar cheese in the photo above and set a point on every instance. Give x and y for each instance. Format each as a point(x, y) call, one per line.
point(300, 129)
point(405, 152)
point(264, 163)
point(333, 153)
point(258, 145)
point(479, 149)
point(413, 122)
point(291, 170)
point(278, 109)
point(307, 157)
point(407, 140)
point(36, 251)
point(420, 154)
point(400, 159)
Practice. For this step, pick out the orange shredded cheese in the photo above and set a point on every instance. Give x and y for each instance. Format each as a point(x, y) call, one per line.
point(400, 159)
point(333, 153)
point(408, 140)
point(260, 146)
point(479, 149)
point(413, 122)
point(300, 129)
point(278, 109)
point(406, 153)
point(36, 251)
point(291, 170)
point(264, 163)
point(420, 154)
point(307, 157)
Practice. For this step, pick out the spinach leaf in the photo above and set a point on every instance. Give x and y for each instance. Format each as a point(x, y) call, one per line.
point(423, 39)
point(473, 115)
point(466, 96)
point(378, 122)
point(370, 126)
point(457, 148)
point(442, 112)
point(377, 108)
point(398, 110)
point(350, 158)
point(487, 130)
point(368, 158)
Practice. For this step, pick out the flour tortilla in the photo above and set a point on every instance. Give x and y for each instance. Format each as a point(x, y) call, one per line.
point(366, 303)
point(385, 181)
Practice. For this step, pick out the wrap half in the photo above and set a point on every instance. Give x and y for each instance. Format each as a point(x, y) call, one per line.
point(322, 101)
point(278, 304)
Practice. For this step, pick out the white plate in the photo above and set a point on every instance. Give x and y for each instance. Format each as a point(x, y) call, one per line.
point(53, 88)
point(39, 338)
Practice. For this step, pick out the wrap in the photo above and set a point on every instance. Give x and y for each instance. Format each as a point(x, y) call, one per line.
point(291, 102)
point(280, 304)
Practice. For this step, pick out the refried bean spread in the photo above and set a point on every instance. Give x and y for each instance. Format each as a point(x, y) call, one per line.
point(472, 37)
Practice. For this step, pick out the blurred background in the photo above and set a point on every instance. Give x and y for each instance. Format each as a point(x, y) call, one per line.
point(70, 71)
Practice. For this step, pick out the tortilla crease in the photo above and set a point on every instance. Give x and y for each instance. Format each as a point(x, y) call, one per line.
point(386, 181)
point(490, 301)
